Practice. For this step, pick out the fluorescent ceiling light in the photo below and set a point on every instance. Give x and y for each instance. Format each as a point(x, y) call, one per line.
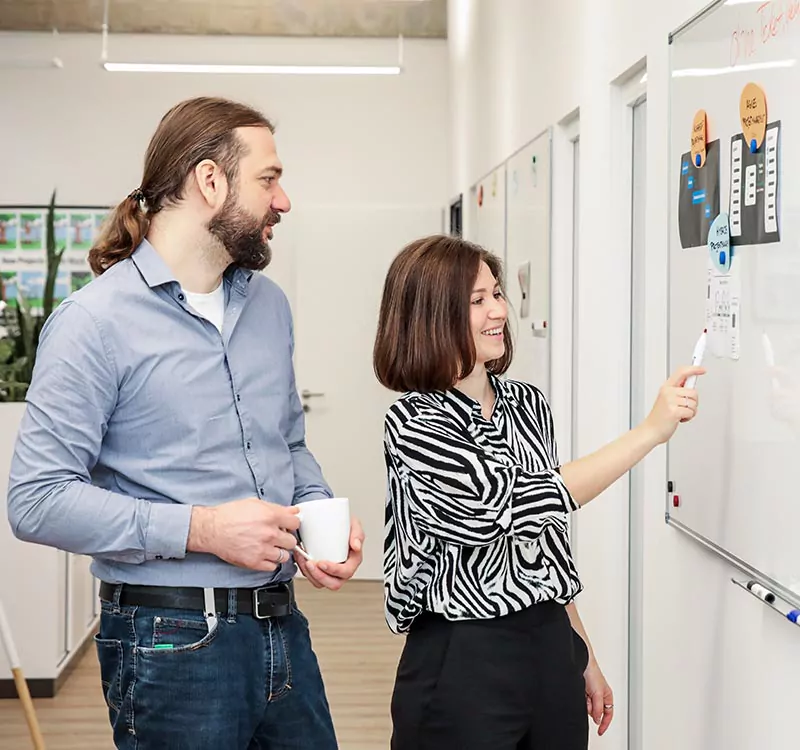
point(369, 70)
point(702, 72)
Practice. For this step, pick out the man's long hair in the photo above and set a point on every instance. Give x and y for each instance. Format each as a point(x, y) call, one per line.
point(194, 130)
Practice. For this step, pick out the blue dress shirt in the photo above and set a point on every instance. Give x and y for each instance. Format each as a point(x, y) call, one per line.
point(140, 409)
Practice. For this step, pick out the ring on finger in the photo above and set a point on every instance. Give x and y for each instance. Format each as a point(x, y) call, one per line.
point(608, 706)
point(281, 552)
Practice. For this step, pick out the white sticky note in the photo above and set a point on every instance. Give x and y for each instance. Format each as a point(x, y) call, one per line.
point(723, 311)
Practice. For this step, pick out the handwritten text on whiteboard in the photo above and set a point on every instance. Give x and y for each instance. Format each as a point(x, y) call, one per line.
point(768, 21)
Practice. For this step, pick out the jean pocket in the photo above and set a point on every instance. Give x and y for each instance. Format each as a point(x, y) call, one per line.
point(177, 635)
point(300, 616)
point(109, 654)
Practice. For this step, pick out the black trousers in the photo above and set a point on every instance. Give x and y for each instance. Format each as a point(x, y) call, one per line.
point(510, 683)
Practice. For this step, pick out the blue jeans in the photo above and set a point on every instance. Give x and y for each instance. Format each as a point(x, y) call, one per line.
point(248, 685)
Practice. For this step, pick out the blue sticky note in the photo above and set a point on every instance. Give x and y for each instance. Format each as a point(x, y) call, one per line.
point(691, 181)
point(698, 196)
point(684, 168)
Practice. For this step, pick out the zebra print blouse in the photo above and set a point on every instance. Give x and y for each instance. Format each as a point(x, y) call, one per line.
point(476, 513)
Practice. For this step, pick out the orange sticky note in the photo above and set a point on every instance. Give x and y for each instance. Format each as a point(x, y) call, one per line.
point(699, 134)
point(753, 112)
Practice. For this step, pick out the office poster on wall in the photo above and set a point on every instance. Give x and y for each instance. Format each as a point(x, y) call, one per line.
point(23, 255)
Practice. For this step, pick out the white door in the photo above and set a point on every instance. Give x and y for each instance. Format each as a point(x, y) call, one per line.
point(333, 265)
point(636, 503)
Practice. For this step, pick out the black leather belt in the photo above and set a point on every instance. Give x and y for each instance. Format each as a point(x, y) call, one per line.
point(275, 600)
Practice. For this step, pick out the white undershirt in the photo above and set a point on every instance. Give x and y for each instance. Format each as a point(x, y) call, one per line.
point(211, 306)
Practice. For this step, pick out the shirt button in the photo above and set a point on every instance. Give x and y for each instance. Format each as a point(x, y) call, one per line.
point(261, 491)
point(181, 297)
point(238, 397)
point(248, 446)
point(159, 557)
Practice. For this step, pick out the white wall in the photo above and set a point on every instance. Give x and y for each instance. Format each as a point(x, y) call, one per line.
point(718, 667)
point(349, 141)
point(344, 139)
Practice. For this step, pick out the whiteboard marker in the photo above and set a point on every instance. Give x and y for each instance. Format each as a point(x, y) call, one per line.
point(794, 616)
point(697, 357)
point(761, 592)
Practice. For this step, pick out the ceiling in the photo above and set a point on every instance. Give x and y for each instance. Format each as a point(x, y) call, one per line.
point(327, 18)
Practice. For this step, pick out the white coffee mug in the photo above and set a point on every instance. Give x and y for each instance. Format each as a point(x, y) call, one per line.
point(325, 529)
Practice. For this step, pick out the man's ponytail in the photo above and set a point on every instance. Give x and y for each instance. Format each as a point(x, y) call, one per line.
point(121, 234)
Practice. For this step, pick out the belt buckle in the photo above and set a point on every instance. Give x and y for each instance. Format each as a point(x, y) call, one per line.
point(278, 603)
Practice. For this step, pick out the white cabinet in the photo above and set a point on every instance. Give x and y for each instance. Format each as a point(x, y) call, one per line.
point(49, 595)
point(79, 600)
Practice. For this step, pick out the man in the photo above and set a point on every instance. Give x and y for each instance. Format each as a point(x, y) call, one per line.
point(164, 437)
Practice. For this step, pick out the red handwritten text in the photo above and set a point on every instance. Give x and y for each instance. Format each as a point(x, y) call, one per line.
point(773, 18)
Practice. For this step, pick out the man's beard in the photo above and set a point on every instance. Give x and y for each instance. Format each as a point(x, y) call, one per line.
point(242, 235)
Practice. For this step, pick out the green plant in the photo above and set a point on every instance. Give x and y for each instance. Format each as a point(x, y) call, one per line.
point(24, 324)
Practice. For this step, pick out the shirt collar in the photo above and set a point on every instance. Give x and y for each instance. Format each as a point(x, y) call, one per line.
point(151, 265)
point(238, 277)
point(467, 407)
point(157, 273)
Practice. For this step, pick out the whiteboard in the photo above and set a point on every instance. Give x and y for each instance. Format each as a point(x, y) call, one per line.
point(489, 212)
point(734, 469)
point(528, 255)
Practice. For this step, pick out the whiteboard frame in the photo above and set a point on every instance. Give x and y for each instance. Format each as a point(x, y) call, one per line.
point(781, 591)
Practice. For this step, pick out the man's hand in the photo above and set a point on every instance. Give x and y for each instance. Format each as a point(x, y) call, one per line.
point(599, 697)
point(328, 575)
point(249, 533)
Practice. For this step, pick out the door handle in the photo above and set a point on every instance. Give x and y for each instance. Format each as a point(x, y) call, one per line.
point(309, 394)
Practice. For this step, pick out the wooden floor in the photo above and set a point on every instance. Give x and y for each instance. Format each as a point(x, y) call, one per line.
point(357, 653)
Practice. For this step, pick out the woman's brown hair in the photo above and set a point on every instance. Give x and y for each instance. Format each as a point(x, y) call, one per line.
point(424, 341)
point(194, 130)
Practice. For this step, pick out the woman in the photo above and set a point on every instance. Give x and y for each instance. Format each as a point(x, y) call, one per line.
point(477, 564)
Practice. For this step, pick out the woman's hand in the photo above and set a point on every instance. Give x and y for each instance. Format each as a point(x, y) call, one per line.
point(674, 404)
point(599, 697)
